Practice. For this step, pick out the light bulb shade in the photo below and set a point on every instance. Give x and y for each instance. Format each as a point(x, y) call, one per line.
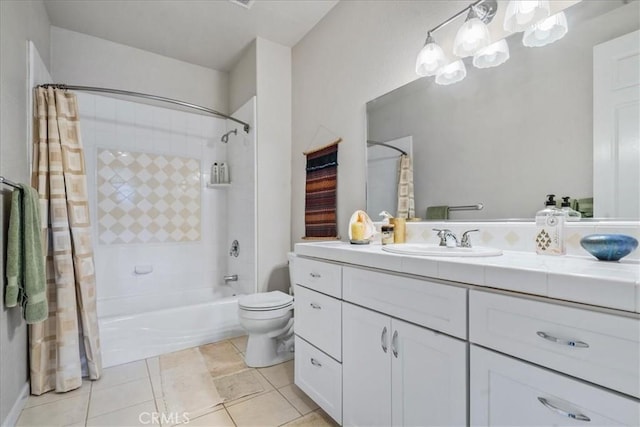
point(471, 37)
point(493, 55)
point(546, 31)
point(430, 59)
point(521, 14)
point(452, 73)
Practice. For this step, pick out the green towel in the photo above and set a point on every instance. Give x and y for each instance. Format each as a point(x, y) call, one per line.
point(585, 207)
point(437, 212)
point(26, 282)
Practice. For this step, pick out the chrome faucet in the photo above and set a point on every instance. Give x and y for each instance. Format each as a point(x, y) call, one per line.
point(448, 238)
point(231, 278)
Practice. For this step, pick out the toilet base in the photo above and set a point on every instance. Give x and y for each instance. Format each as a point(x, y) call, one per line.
point(263, 351)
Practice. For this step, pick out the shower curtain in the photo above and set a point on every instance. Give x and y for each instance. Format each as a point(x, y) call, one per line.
point(68, 341)
point(406, 203)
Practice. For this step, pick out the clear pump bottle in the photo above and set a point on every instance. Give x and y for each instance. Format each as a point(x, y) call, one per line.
point(572, 214)
point(550, 229)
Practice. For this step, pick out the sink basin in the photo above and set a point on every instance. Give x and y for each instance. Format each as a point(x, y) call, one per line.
point(434, 250)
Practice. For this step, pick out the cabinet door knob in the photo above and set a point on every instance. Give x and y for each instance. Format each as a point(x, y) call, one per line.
point(383, 339)
point(570, 343)
point(577, 416)
point(314, 275)
point(315, 306)
point(314, 362)
point(394, 344)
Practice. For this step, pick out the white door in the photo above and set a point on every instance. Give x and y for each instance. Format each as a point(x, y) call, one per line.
point(429, 377)
point(616, 128)
point(366, 367)
point(508, 392)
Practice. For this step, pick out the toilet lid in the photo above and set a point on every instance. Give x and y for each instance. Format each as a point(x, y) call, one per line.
point(265, 301)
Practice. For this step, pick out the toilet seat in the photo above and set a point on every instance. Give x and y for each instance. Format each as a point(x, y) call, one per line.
point(266, 301)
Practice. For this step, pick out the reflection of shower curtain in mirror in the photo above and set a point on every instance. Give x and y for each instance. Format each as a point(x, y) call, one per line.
point(57, 345)
point(406, 203)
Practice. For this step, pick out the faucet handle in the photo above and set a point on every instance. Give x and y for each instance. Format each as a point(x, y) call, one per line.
point(466, 240)
point(443, 233)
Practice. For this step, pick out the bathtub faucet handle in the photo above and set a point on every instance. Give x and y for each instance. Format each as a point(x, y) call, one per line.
point(231, 278)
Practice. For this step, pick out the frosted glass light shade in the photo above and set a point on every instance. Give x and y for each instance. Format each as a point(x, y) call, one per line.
point(546, 31)
point(430, 59)
point(471, 37)
point(493, 55)
point(521, 14)
point(452, 73)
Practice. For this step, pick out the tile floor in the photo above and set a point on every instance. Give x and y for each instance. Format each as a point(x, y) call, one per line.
point(131, 395)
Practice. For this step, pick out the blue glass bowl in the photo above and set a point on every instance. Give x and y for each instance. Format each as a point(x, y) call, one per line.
point(609, 247)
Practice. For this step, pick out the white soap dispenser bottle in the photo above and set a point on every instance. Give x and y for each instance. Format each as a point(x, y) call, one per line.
point(550, 229)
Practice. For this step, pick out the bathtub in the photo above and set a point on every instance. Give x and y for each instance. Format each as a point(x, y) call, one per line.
point(128, 337)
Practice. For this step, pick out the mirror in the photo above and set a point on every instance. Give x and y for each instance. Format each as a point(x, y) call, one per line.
point(504, 137)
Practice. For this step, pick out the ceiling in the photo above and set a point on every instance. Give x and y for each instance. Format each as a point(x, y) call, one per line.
point(211, 33)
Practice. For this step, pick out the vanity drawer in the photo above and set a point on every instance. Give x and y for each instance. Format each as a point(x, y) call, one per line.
point(318, 319)
point(319, 276)
point(430, 304)
point(509, 392)
point(598, 347)
point(320, 377)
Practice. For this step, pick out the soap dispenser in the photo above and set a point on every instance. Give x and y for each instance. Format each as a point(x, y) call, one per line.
point(550, 229)
point(572, 214)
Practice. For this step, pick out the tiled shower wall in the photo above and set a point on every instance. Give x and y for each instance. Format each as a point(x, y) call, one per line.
point(186, 268)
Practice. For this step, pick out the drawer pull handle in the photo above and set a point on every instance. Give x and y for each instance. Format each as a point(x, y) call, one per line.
point(314, 362)
point(394, 344)
point(315, 306)
point(383, 339)
point(570, 343)
point(314, 275)
point(578, 416)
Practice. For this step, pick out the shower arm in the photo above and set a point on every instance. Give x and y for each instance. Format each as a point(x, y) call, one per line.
point(245, 125)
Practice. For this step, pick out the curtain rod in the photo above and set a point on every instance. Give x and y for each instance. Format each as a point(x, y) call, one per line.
point(144, 95)
point(370, 142)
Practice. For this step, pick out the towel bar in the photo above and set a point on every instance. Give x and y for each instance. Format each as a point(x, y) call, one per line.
point(10, 183)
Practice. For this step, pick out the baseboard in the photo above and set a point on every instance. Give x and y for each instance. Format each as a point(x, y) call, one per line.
point(18, 406)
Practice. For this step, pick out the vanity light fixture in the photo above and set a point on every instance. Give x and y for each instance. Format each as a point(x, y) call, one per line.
point(522, 14)
point(472, 39)
point(472, 36)
point(493, 55)
point(546, 31)
point(430, 58)
point(451, 73)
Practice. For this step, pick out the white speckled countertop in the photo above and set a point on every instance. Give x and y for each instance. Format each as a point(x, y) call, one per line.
point(584, 280)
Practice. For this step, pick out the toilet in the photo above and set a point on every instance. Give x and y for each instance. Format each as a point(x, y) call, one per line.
point(268, 319)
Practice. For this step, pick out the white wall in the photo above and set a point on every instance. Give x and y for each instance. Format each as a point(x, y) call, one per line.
point(274, 160)
point(241, 200)
point(20, 21)
point(243, 78)
point(80, 59)
point(359, 51)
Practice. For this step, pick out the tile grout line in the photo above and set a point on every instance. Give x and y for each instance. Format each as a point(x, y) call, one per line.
point(290, 402)
point(153, 392)
point(86, 415)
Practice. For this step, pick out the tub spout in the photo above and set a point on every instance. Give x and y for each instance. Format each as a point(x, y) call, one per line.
point(231, 278)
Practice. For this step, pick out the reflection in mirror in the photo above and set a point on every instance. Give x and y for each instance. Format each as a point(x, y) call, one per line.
point(507, 136)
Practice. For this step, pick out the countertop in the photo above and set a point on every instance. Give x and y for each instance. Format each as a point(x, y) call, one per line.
point(614, 285)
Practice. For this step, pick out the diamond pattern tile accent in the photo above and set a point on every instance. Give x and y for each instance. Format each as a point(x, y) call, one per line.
point(147, 198)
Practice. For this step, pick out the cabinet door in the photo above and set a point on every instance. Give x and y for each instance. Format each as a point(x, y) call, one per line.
point(366, 367)
point(509, 392)
point(429, 377)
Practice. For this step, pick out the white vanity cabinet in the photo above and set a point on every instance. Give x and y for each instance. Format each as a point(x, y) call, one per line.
point(601, 348)
point(318, 329)
point(395, 372)
point(509, 392)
